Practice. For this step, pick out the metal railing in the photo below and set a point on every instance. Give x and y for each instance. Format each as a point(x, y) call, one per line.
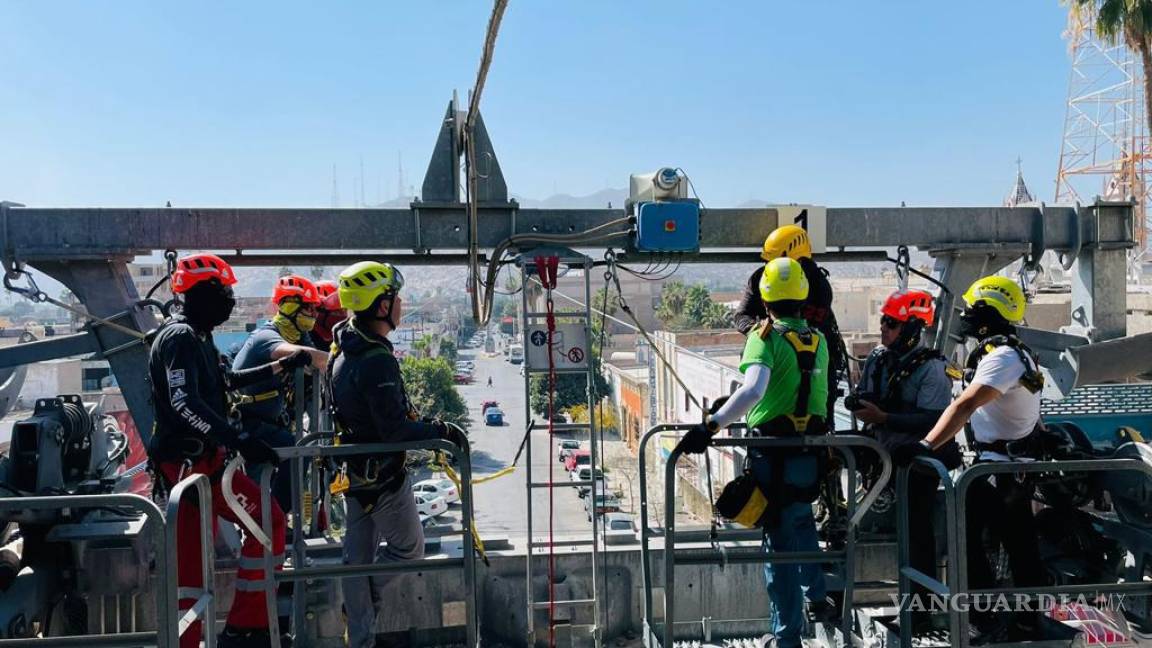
point(170, 623)
point(955, 498)
point(300, 572)
point(842, 443)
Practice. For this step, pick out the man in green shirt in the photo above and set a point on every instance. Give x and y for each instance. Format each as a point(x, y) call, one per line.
point(785, 393)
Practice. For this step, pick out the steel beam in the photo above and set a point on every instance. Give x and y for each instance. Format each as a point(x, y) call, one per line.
point(89, 233)
point(62, 346)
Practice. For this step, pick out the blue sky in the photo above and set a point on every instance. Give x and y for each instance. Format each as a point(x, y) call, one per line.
point(250, 104)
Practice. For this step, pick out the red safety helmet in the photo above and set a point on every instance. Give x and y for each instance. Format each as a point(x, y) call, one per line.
point(198, 268)
point(295, 286)
point(325, 288)
point(908, 304)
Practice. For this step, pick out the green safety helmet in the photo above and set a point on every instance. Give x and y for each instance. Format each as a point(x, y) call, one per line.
point(360, 284)
point(783, 280)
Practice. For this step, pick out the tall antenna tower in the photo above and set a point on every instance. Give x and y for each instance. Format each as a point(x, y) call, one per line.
point(1105, 149)
point(335, 189)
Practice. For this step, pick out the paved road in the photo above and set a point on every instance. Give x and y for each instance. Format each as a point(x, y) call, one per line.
point(501, 505)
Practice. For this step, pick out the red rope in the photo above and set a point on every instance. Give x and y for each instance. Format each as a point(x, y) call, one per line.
point(546, 267)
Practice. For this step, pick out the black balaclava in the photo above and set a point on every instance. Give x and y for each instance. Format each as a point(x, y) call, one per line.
point(982, 321)
point(909, 336)
point(208, 304)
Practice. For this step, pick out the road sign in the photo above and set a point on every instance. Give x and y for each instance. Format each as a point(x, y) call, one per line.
point(569, 346)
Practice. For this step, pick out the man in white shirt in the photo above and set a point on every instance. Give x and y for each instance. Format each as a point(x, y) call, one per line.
point(1002, 404)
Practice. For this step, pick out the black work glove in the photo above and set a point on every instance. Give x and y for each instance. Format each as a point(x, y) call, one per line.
point(298, 358)
point(903, 454)
point(696, 440)
point(452, 434)
point(717, 404)
point(256, 451)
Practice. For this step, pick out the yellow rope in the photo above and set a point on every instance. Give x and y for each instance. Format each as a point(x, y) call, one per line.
point(452, 475)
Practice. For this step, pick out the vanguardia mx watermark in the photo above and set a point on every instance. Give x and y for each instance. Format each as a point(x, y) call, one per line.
point(1004, 602)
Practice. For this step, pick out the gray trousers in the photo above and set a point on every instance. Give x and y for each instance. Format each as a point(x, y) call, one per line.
point(395, 520)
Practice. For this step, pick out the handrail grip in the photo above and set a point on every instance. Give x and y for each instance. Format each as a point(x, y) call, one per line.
point(203, 488)
point(462, 451)
point(841, 442)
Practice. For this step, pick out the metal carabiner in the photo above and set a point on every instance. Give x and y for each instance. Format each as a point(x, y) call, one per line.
point(32, 292)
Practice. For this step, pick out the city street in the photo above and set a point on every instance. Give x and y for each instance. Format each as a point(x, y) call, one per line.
point(501, 505)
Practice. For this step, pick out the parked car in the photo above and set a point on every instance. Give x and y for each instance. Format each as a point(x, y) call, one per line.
point(564, 447)
point(577, 458)
point(462, 378)
point(582, 491)
point(605, 503)
point(430, 505)
point(585, 474)
point(437, 488)
point(618, 528)
point(493, 416)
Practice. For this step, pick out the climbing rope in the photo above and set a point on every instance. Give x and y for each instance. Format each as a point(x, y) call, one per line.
point(611, 274)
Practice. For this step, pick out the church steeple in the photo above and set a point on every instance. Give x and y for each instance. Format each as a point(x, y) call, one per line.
point(1019, 194)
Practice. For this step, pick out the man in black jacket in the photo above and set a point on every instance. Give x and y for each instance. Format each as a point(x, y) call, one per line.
point(194, 434)
point(370, 405)
point(792, 241)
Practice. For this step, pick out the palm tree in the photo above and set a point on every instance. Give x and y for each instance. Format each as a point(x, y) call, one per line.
point(1130, 20)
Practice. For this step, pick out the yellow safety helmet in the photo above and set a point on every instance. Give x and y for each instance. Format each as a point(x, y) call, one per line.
point(361, 283)
point(1000, 293)
point(783, 279)
point(790, 241)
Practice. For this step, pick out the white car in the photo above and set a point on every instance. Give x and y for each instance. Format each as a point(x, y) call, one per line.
point(430, 505)
point(617, 528)
point(563, 447)
point(437, 488)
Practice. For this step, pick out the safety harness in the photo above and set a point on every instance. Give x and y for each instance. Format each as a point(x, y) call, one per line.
point(362, 477)
point(1032, 380)
point(889, 397)
point(748, 501)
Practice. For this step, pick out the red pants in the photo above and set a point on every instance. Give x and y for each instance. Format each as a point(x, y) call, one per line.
point(249, 609)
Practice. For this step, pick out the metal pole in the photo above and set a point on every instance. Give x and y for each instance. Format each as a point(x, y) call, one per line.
point(269, 556)
point(296, 466)
point(531, 614)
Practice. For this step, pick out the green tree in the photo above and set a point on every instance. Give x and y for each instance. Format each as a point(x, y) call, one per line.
point(672, 299)
point(448, 349)
point(684, 307)
point(431, 389)
point(1126, 21)
point(571, 389)
point(613, 303)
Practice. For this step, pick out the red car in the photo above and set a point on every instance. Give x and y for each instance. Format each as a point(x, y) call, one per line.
point(462, 379)
point(577, 458)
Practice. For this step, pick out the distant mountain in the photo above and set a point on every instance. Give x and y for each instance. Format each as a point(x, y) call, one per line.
point(599, 200)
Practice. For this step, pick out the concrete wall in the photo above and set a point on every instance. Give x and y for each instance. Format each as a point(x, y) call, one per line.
point(432, 599)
